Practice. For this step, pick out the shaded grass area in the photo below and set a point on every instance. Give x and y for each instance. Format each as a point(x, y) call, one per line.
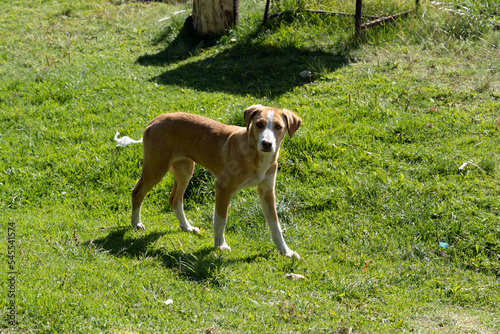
point(367, 189)
point(245, 69)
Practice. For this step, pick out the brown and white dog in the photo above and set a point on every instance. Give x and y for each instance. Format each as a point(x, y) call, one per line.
point(238, 157)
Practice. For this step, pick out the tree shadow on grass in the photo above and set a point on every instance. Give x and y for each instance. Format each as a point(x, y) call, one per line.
point(205, 265)
point(246, 68)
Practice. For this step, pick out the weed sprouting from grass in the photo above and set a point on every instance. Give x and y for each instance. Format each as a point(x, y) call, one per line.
point(201, 187)
point(235, 117)
point(286, 206)
point(211, 268)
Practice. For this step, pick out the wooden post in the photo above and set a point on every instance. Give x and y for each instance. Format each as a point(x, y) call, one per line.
point(215, 17)
point(266, 12)
point(357, 18)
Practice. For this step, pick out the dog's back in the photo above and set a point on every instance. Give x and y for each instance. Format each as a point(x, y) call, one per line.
point(180, 135)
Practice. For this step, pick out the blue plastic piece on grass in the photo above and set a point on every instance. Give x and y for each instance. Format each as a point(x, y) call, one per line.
point(443, 245)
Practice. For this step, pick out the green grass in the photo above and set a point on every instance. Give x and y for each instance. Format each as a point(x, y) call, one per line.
point(367, 188)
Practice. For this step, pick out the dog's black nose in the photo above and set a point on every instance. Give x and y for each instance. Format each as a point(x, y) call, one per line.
point(266, 146)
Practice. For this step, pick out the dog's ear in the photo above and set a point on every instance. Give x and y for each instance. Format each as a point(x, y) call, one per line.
point(293, 121)
point(250, 112)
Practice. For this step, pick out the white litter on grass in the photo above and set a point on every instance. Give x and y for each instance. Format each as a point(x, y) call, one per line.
point(305, 74)
point(168, 302)
point(465, 164)
point(125, 141)
point(294, 276)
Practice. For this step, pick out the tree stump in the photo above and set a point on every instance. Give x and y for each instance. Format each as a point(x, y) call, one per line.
point(215, 17)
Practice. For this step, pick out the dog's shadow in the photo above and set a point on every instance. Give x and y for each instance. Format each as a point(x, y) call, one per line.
point(119, 243)
point(205, 265)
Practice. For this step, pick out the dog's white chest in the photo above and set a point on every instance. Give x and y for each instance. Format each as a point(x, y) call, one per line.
point(259, 175)
point(254, 180)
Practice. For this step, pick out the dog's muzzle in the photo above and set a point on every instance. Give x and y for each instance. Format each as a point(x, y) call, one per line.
point(266, 146)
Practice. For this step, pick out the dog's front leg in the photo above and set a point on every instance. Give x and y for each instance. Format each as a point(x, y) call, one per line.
point(222, 198)
point(268, 203)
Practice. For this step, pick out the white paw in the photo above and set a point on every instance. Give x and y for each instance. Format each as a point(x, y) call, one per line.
point(290, 253)
point(195, 230)
point(191, 229)
point(139, 226)
point(224, 247)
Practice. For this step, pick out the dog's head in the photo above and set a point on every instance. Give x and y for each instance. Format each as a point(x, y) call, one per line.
point(267, 126)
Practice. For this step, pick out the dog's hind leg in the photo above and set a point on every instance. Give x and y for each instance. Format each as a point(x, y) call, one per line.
point(149, 178)
point(183, 171)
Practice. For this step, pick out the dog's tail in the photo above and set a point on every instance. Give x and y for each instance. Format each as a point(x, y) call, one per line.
point(125, 141)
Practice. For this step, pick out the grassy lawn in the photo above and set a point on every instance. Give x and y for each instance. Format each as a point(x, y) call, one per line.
point(389, 191)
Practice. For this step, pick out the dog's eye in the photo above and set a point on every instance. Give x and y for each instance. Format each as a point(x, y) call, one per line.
point(259, 125)
point(278, 127)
